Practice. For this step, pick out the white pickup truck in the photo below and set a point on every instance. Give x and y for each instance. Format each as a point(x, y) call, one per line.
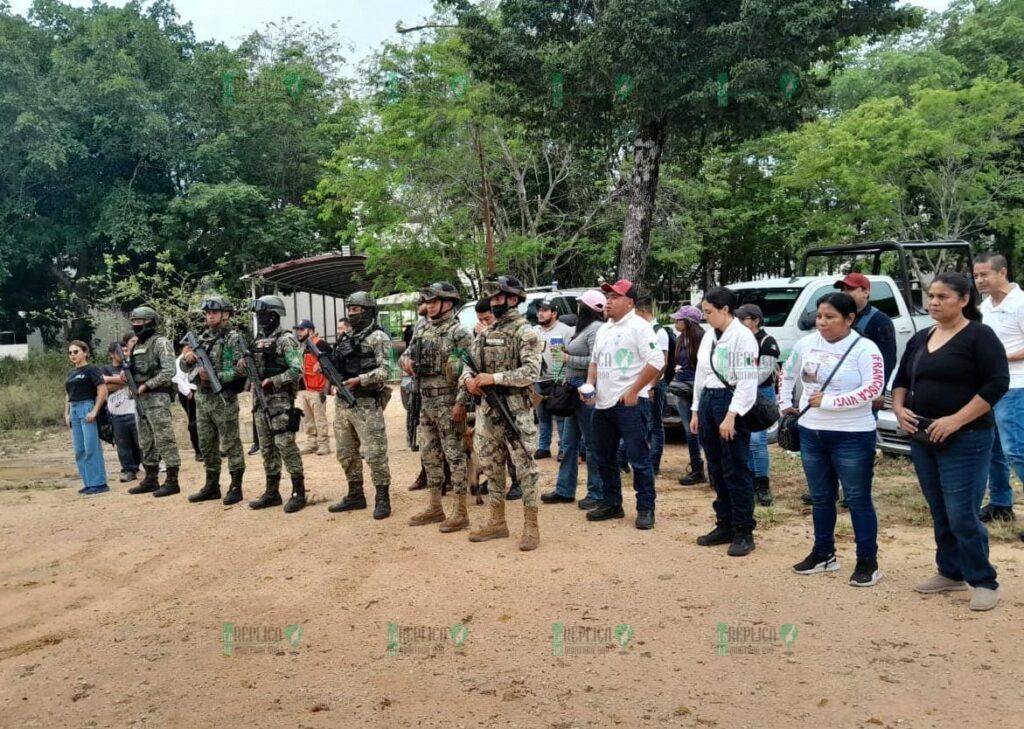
point(789, 304)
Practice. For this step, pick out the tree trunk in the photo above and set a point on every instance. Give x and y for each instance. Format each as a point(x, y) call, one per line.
point(636, 235)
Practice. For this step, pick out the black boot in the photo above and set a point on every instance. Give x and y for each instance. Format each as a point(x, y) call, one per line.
point(170, 483)
point(514, 493)
point(354, 499)
point(382, 504)
point(298, 497)
point(762, 491)
point(742, 544)
point(270, 497)
point(234, 494)
point(721, 534)
point(209, 491)
point(693, 476)
point(149, 484)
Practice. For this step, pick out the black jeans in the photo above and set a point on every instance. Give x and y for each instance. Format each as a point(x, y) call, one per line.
point(727, 463)
point(126, 439)
point(188, 404)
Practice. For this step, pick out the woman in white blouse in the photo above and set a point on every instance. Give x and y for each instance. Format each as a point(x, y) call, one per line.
point(841, 373)
point(724, 390)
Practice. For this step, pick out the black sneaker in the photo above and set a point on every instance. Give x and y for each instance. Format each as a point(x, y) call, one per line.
point(866, 573)
point(742, 545)
point(588, 503)
point(645, 519)
point(718, 535)
point(553, 497)
point(814, 563)
point(254, 450)
point(806, 498)
point(540, 454)
point(605, 512)
point(693, 477)
point(990, 512)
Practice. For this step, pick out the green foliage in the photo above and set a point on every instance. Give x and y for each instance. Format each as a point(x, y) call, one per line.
point(32, 391)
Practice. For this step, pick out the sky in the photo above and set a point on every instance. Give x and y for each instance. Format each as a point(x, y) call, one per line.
point(364, 24)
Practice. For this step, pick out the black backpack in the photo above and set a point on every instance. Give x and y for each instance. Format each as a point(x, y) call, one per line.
point(670, 369)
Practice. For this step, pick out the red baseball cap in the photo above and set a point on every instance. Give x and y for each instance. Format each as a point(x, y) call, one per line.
point(854, 281)
point(622, 287)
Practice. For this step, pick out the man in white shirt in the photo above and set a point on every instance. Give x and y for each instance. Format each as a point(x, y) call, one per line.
point(1003, 311)
point(550, 330)
point(121, 408)
point(625, 363)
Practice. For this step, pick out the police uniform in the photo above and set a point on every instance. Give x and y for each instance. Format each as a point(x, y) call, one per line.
point(152, 364)
point(511, 351)
point(363, 354)
point(434, 354)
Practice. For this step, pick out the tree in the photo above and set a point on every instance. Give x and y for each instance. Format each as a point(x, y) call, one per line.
point(692, 72)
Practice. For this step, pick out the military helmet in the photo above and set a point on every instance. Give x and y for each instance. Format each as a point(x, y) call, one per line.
point(440, 290)
point(146, 313)
point(216, 302)
point(269, 303)
point(504, 285)
point(363, 299)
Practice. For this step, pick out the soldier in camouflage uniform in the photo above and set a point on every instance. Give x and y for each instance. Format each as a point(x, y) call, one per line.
point(152, 363)
point(361, 357)
point(509, 355)
point(442, 424)
point(217, 415)
point(278, 360)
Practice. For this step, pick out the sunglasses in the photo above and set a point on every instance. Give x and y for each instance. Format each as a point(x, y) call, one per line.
point(74, 351)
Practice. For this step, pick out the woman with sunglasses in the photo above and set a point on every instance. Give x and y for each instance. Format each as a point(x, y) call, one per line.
point(86, 395)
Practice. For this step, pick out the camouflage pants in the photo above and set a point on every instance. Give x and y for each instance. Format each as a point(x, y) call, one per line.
point(490, 441)
point(277, 443)
point(217, 427)
point(156, 431)
point(440, 439)
point(358, 427)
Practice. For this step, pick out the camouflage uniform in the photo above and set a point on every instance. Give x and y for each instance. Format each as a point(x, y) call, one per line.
point(153, 366)
point(278, 357)
point(217, 415)
point(433, 352)
point(511, 351)
point(364, 354)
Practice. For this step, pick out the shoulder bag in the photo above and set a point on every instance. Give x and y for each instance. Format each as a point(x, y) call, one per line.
point(765, 411)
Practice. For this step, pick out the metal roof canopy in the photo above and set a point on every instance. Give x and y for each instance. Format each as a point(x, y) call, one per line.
point(329, 274)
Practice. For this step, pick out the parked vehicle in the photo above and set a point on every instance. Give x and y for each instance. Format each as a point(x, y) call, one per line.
point(564, 300)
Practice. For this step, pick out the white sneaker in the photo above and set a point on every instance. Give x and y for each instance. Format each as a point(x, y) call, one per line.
point(984, 599)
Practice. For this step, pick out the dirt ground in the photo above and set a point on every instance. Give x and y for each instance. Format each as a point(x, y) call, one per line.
point(113, 613)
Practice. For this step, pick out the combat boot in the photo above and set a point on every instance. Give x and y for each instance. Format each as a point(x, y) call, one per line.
point(149, 484)
point(170, 483)
point(420, 482)
point(531, 531)
point(234, 494)
point(434, 512)
point(459, 518)
point(309, 448)
point(496, 528)
point(298, 497)
point(354, 499)
point(270, 497)
point(209, 491)
point(382, 505)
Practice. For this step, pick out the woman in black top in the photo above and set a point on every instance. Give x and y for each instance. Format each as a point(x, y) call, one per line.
point(86, 395)
point(948, 380)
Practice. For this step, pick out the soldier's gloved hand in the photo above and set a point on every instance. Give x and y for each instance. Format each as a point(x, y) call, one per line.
point(458, 413)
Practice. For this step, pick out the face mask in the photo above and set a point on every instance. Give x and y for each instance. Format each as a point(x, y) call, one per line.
point(268, 321)
point(360, 321)
point(499, 310)
point(144, 331)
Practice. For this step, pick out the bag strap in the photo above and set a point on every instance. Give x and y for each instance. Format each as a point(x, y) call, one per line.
point(863, 324)
point(828, 380)
point(711, 361)
point(917, 360)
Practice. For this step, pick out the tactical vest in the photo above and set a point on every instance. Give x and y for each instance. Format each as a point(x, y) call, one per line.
point(268, 361)
point(430, 350)
point(215, 342)
point(498, 347)
point(146, 362)
point(352, 355)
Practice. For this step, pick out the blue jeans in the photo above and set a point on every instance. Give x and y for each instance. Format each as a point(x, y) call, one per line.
point(88, 450)
point(608, 427)
point(578, 431)
point(759, 462)
point(727, 463)
point(831, 456)
point(545, 428)
point(126, 438)
point(656, 423)
point(1009, 412)
point(953, 483)
point(692, 439)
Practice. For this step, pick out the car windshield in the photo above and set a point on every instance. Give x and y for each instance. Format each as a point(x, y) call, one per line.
point(775, 303)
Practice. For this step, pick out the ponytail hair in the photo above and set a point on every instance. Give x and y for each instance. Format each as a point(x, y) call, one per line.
point(964, 288)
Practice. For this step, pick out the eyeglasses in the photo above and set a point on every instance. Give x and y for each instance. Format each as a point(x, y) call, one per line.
point(74, 351)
